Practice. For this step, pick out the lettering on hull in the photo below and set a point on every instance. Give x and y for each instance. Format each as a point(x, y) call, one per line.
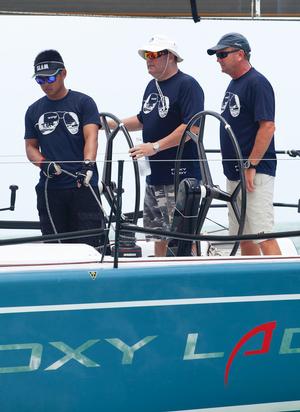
point(129, 352)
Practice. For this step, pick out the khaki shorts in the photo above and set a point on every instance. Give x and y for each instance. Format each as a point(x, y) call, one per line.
point(159, 204)
point(259, 210)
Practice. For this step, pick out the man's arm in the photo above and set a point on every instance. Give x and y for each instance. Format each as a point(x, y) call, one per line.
point(131, 123)
point(85, 173)
point(90, 133)
point(33, 151)
point(34, 154)
point(171, 140)
point(262, 142)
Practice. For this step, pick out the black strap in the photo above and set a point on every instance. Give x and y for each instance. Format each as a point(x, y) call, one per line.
point(195, 16)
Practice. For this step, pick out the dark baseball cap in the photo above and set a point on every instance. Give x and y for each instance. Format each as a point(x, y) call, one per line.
point(231, 40)
point(48, 63)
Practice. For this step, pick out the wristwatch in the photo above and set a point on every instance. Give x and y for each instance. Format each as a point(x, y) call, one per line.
point(156, 146)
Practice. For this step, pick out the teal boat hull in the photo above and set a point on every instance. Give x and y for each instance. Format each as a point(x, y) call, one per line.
point(140, 338)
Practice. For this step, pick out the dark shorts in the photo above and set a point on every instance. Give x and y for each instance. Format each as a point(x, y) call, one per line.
point(159, 206)
point(71, 210)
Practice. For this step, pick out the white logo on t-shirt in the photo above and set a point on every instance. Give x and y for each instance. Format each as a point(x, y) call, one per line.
point(152, 100)
point(49, 121)
point(233, 101)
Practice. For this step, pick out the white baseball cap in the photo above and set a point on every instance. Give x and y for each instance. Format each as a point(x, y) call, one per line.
point(160, 42)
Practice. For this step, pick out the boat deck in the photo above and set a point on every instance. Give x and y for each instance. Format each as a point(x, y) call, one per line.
point(38, 256)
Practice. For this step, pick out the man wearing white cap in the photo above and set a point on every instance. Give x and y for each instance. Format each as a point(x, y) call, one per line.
point(170, 100)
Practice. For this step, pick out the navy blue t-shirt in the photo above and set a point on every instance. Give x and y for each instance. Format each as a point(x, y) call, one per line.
point(182, 98)
point(58, 127)
point(248, 100)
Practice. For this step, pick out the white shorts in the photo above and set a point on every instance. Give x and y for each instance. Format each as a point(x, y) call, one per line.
point(259, 210)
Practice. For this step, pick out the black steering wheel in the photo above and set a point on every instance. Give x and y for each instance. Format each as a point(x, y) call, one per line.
point(108, 185)
point(195, 131)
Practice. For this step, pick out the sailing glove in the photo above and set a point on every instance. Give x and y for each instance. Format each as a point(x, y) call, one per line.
point(50, 169)
point(84, 175)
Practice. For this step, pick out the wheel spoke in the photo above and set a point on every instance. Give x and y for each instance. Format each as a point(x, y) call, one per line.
point(109, 186)
point(214, 191)
point(205, 205)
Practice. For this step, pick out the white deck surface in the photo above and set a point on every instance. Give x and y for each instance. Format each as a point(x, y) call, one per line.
point(37, 256)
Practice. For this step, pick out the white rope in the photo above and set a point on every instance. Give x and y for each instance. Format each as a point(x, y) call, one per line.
point(48, 209)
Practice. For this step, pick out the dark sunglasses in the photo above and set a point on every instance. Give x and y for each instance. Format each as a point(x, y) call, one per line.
point(224, 54)
point(46, 79)
point(154, 55)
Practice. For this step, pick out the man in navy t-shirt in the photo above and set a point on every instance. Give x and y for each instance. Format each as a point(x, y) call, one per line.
point(170, 100)
point(61, 137)
point(249, 107)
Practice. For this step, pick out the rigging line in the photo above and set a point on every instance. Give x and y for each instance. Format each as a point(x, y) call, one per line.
point(290, 152)
point(93, 193)
point(97, 201)
point(212, 160)
point(216, 231)
point(194, 237)
point(218, 224)
point(48, 208)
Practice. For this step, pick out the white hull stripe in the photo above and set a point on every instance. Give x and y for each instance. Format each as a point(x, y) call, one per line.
point(148, 303)
point(260, 407)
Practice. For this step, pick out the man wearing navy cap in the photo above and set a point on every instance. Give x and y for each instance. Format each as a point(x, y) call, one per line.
point(61, 137)
point(249, 107)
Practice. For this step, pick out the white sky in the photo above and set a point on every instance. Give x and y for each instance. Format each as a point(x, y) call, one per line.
point(102, 61)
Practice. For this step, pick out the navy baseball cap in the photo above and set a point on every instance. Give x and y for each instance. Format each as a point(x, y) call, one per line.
point(48, 63)
point(231, 40)
point(47, 68)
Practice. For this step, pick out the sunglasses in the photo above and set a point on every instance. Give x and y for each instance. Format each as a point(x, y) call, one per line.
point(224, 54)
point(154, 55)
point(46, 79)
